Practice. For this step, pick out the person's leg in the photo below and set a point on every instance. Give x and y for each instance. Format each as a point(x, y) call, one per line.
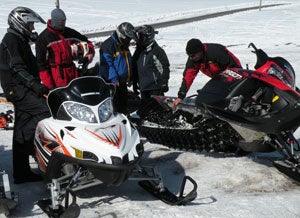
point(121, 98)
point(28, 113)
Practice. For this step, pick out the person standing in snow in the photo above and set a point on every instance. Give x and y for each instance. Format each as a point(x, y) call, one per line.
point(211, 59)
point(152, 67)
point(22, 86)
point(54, 54)
point(116, 63)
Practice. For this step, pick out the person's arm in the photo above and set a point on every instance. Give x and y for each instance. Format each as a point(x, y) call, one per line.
point(107, 55)
point(42, 63)
point(20, 71)
point(189, 74)
point(135, 73)
point(163, 65)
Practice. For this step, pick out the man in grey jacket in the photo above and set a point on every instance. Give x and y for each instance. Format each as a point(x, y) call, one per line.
point(151, 64)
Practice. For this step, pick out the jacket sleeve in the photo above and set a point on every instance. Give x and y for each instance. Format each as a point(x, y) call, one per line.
point(42, 62)
point(189, 74)
point(135, 57)
point(107, 55)
point(165, 65)
point(17, 65)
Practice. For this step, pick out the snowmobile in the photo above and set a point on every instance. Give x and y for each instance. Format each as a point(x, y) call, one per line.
point(86, 143)
point(259, 113)
point(7, 120)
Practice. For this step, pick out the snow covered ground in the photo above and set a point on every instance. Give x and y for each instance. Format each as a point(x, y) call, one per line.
point(227, 186)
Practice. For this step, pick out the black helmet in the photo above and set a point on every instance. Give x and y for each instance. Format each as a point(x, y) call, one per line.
point(126, 30)
point(20, 17)
point(146, 34)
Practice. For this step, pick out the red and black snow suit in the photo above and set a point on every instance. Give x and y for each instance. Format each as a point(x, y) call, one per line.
point(216, 58)
point(54, 55)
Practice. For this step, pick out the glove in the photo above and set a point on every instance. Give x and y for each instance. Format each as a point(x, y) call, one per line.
point(39, 89)
point(164, 88)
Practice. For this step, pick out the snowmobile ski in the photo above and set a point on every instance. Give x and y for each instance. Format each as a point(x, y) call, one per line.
point(289, 168)
point(168, 197)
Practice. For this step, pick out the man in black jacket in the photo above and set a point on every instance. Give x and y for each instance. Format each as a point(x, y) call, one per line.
point(21, 85)
point(151, 64)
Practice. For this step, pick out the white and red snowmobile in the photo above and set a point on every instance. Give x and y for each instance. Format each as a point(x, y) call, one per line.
point(86, 143)
point(259, 112)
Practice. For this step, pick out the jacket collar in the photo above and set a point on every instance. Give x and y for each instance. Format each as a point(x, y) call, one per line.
point(10, 30)
point(52, 29)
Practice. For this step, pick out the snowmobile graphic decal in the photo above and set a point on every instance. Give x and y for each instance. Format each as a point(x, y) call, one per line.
point(110, 136)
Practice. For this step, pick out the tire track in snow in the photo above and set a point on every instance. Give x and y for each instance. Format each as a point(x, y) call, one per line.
point(186, 20)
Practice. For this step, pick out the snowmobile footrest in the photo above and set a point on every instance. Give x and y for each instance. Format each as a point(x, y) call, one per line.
point(288, 168)
point(168, 197)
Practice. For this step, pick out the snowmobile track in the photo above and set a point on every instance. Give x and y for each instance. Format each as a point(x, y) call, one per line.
point(207, 134)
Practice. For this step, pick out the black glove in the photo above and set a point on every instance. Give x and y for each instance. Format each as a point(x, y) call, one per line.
point(39, 89)
point(164, 88)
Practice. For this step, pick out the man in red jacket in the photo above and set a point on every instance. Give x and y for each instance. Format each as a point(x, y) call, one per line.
point(209, 58)
point(54, 54)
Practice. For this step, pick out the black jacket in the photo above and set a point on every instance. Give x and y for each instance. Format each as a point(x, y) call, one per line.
point(18, 68)
point(151, 67)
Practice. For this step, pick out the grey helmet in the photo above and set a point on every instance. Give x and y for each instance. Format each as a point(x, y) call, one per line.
point(126, 30)
point(20, 17)
point(146, 34)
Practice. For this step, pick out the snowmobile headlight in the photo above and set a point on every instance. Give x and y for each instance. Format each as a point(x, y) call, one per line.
point(105, 110)
point(275, 71)
point(80, 112)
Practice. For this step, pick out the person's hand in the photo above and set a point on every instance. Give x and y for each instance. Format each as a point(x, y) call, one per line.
point(40, 89)
point(164, 88)
point(176, 102)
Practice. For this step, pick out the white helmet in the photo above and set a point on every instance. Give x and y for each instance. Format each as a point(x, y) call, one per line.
point(20, 17)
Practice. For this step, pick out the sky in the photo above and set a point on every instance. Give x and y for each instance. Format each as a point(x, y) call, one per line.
point(227, 186)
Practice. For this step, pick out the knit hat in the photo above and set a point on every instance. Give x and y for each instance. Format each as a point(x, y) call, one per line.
point(56, 16)
point(194, 46)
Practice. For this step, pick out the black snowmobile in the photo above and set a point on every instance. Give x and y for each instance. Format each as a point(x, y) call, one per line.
point(259, 111)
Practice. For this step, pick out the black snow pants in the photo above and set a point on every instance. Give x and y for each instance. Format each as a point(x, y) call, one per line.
point(28, 112)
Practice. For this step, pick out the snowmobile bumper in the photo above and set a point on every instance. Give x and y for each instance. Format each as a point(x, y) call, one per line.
point(110, 174)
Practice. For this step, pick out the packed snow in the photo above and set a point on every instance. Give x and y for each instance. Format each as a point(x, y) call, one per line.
point(228, 186)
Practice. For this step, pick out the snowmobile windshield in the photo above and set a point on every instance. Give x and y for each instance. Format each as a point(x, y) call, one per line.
point(90, 91)
point(283, 70)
